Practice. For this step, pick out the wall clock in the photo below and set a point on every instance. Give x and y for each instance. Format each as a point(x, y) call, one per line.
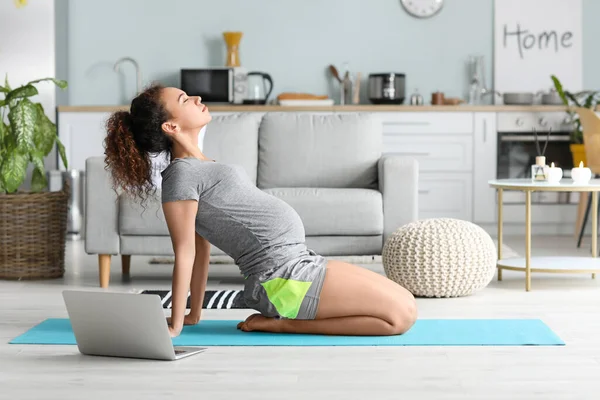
point(422, 8)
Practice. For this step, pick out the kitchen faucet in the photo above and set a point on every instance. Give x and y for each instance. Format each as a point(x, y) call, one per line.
point(138, 74)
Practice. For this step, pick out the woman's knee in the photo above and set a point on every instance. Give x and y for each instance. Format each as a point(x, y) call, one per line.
point(403, 315)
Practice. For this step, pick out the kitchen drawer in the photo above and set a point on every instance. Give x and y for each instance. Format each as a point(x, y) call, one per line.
point(446, 196)
point(433, 152)
point(427, 122)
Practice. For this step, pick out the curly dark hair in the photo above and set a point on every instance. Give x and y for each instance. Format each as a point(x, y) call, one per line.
point(132, 137)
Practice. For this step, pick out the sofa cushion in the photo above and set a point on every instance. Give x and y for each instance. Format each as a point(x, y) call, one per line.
point(314, 150)
point(137, 220)
point(335, 211)
point(233, 139)
point(323, 212)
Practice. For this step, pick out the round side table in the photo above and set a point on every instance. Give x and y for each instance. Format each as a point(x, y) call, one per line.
point(564, 265)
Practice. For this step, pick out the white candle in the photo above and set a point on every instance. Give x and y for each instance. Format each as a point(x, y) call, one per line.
point(554, 174)
point(581, 175)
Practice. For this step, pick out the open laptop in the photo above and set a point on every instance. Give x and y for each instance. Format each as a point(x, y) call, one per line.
point(122, 325)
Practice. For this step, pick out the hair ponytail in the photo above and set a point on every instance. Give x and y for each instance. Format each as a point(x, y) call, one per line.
point(129, 166)
point(132, 138)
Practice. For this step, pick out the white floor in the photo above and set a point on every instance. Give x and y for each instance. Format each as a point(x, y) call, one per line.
point(569, 304)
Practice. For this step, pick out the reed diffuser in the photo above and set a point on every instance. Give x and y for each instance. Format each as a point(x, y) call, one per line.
point(539, 171)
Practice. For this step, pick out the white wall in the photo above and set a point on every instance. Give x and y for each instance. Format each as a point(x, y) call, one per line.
point(27, 48)
point(294, 41)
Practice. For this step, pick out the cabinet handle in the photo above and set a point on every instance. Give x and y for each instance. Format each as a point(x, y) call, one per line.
point(484, 130)
point(408, 123)
point(415, 154)
point(423, 191)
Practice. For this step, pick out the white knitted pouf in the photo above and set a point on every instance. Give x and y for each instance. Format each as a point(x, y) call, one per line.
point(440, 257)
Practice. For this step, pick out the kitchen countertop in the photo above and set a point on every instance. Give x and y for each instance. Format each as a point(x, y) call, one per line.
point(338, 108)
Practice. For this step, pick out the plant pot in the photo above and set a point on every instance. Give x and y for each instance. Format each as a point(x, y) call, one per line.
point(33, 229)
point(578, 153)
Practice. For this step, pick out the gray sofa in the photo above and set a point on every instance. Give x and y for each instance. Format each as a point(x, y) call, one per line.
point(329, 167)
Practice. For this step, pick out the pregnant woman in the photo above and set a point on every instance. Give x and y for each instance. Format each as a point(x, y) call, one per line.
point(206, 202)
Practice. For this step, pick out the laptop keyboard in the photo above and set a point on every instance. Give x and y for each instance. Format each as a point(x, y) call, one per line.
point(179, 351)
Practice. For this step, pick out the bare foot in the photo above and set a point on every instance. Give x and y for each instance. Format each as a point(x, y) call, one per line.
point(243, 323)
point(259, 323)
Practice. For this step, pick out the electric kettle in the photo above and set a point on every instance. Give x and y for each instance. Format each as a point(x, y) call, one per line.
point(258, 90)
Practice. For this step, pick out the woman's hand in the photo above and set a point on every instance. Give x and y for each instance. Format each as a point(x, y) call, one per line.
point(189, 319)
point(174, 332)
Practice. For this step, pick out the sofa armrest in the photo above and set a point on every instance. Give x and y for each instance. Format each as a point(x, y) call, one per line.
point(101, 210)
point(398, 183)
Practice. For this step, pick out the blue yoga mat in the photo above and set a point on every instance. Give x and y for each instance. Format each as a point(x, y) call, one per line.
point(425, 332)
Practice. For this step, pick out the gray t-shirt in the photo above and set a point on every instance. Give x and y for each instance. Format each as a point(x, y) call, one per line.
point(258, 230)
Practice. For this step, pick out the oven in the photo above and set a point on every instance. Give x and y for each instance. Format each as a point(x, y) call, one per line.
point(517, 150)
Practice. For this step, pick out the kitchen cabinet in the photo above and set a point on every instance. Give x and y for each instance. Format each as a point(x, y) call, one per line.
point(82, 134)
point(456, 151)
point(434, 152)
point(442, 144)
point(448, 195)
point(427, 122)
point(485, 144)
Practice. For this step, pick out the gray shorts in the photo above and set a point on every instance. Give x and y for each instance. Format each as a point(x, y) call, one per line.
point(291, 291)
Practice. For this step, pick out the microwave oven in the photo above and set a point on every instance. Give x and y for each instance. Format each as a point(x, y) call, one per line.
point(216, 85)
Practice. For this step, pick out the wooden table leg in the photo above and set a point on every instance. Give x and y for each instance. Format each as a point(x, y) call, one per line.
point(594, 227)
point(500, 191)
point(528, 240)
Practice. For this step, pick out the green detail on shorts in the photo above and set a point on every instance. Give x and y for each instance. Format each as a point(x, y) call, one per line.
point(286, 295)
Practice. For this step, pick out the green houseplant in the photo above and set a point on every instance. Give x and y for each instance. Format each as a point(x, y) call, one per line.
point(28, 137)
point(32, 222)
point(587, 99)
